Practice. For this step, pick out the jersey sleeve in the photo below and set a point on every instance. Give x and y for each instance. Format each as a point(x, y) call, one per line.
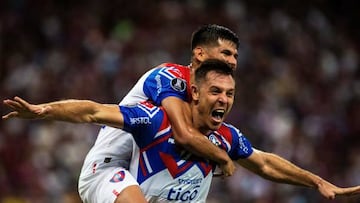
point(242, 148)
point(163, 82)
point(142, 119)
point(239, 146)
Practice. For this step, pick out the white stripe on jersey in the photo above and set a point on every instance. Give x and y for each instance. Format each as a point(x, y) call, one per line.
point(164, 72)
point(162, 132)
point(147, 163)
point(149, 111)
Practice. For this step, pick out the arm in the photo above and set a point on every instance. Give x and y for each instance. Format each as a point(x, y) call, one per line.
point(75, 111)
point(277, 169)
point(190, 138)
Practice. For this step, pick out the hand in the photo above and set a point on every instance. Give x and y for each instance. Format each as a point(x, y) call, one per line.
point(330, 191)
point(228, 168)
point(22, 109)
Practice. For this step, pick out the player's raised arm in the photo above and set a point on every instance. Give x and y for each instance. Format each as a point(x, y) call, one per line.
point(190, 138)
point(75, 111)
point(272, 167)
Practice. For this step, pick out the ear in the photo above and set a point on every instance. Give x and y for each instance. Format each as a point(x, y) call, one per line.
point(199, 53)
point(194, 92)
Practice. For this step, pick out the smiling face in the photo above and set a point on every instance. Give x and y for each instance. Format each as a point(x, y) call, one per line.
point(212, 100)
point(214, 42)
point(224, 50)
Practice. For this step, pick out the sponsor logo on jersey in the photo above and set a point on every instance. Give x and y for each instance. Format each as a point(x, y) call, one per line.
point(180, 194)
point(158, 84)
point(118, 177)
point(242, 144)
point(190, 181)
point(140, 120)
point(178, 84)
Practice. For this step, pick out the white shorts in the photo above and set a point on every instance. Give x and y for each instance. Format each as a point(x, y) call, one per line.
point(104, 185)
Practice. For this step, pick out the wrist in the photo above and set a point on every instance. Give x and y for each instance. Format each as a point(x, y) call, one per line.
point(224, 157)
point(317, 182)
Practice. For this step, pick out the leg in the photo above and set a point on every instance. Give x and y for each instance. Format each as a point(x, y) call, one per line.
point(131, 194)
point(113, 184)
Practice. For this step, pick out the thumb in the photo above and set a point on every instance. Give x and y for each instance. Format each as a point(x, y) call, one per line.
point(10, 115)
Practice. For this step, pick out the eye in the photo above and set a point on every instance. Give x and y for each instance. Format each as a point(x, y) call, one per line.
point(236, 56)
point(230, 94)
point(226, 52)
point(215, 91)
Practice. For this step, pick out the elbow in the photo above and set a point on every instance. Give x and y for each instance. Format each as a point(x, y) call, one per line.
point(264, 172)
point(263, 167)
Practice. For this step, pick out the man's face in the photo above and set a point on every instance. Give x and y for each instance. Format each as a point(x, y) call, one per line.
point(214, 99)
point(226, 51)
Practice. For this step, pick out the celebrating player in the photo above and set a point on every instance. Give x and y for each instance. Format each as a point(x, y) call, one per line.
point(164, 170)
point(166, 85)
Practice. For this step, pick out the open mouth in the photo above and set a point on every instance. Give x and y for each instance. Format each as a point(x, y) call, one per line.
point(218, 114)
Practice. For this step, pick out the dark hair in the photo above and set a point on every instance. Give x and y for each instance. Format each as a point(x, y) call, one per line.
point(209, 35)
point(216, 65)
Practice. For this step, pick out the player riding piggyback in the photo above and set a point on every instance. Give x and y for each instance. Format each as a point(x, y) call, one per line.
point(161, 82)
point(116, 147)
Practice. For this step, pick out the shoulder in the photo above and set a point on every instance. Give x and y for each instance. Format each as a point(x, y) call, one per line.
point(238, 144)
point(174, 70)
point(228, 131)
point(145, 108)
point(173, 65)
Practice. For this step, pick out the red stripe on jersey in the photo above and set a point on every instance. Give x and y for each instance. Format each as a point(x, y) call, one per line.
point(226, 133)
point(172, 166)
point(184, 74)
point(158, 141)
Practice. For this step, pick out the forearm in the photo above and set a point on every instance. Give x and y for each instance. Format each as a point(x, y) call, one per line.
point(201, 146)
point(187, 136)
point(77, 111)
point(280, 170)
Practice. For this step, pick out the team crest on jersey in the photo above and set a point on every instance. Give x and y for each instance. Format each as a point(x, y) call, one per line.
point(178, 84)
point(213, 139)
point(118, 177)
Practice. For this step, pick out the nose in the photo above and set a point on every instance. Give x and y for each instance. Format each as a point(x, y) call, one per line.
point(232, 61)
point(223, 99)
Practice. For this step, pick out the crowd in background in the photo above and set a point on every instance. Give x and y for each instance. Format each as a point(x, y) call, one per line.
point(298, 85)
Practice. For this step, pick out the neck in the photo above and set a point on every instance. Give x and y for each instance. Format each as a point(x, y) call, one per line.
point(197, 121)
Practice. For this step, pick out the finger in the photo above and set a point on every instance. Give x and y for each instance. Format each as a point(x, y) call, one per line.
point(10, 115)
point(350, 191)
point(353, 190)
point(22, 102)
point(12, 104)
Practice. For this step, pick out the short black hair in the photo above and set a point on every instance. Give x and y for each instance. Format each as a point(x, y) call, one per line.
point(210, 33)
point(216, 65)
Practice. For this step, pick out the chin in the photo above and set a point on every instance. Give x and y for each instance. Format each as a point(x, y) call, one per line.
point(215, 127)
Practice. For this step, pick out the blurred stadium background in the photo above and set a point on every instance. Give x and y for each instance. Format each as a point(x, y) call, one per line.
point(298, 86)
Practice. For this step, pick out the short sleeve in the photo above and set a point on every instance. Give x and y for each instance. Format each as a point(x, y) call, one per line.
point(237, 145)
point(164, 82)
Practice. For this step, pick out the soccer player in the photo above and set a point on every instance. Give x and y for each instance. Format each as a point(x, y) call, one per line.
point(166, 172)
point(166, 85)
